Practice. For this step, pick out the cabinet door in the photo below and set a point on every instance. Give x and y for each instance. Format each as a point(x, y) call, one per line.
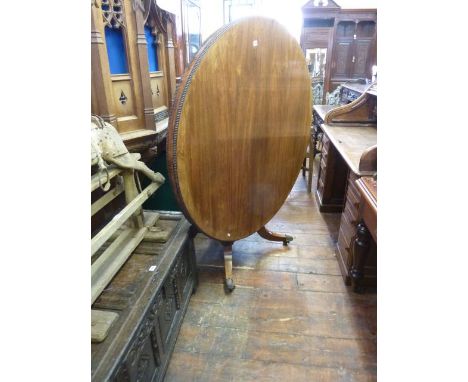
point(364, 55)
point(361, 67)
point(343, 57)
point(343, 54)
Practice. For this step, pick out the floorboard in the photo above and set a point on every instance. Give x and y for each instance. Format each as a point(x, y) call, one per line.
point(290, 317)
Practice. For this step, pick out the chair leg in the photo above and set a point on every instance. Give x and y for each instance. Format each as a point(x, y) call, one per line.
point(304, 166)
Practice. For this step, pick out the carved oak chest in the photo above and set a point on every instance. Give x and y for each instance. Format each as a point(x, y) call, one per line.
point(150, 294)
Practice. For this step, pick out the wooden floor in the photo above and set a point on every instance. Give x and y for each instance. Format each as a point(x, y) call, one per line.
point(290, 318)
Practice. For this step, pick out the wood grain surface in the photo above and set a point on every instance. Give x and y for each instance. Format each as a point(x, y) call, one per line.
point(351, 141)
point(239, 128)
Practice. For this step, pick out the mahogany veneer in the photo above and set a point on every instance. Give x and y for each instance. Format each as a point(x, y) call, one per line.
point(239, 128)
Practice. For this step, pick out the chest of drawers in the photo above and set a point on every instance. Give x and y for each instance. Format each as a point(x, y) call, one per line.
point(347, 235)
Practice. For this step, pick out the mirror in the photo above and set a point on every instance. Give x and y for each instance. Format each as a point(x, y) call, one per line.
point(316, 60)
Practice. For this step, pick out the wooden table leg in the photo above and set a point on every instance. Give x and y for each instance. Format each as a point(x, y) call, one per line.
point(274, 236)
point(264, 233)
point(361, 250)
point(229, 282)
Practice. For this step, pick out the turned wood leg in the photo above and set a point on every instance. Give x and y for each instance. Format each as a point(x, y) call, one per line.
point(229, 282)
point(274, 236)
point(361, 250)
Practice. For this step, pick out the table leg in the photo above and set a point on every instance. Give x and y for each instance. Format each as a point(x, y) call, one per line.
point(361, 250)
point(274, 236)
point(229, 282)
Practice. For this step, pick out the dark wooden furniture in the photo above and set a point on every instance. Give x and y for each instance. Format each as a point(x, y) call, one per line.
point(366, 229)
point(348, 93)
point(354, 46)
point(232, 171)
point(314, 148)
point(348, 231)
point(150, 294)
point(349, 151)
point(351, 91)
point(355, 155)
point(342, 149)
point(331, 179)
point(362, 110)
point(348, 38)
point(348, 145)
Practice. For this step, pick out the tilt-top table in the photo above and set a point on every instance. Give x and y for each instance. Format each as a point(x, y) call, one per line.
point(238, 131)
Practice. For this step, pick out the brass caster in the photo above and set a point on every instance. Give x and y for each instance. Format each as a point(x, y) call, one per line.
point(229, 285)
point(287, 239)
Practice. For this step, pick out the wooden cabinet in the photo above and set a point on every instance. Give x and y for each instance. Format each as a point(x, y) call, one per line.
point(347, 235)
point(331, 180)
point(336, 192)
point(343, 49)
point(344, 39)
point(364, 49)
point(354, 46)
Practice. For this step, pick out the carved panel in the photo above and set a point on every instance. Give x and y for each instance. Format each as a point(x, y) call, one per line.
point(139, 343)
point(342, 58)
point(158, 91)
point(351, 15)
point(184, 269)
point(122, 374)
point(143, 359)
point(360, 64)
point(345, 29)
point(176, 284)
point(123, 96)
point(168, 308)
point(316, 37)
point(112, 13)
point(366, 29)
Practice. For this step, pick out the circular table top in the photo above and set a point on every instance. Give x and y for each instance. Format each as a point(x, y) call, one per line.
point(239, 128)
